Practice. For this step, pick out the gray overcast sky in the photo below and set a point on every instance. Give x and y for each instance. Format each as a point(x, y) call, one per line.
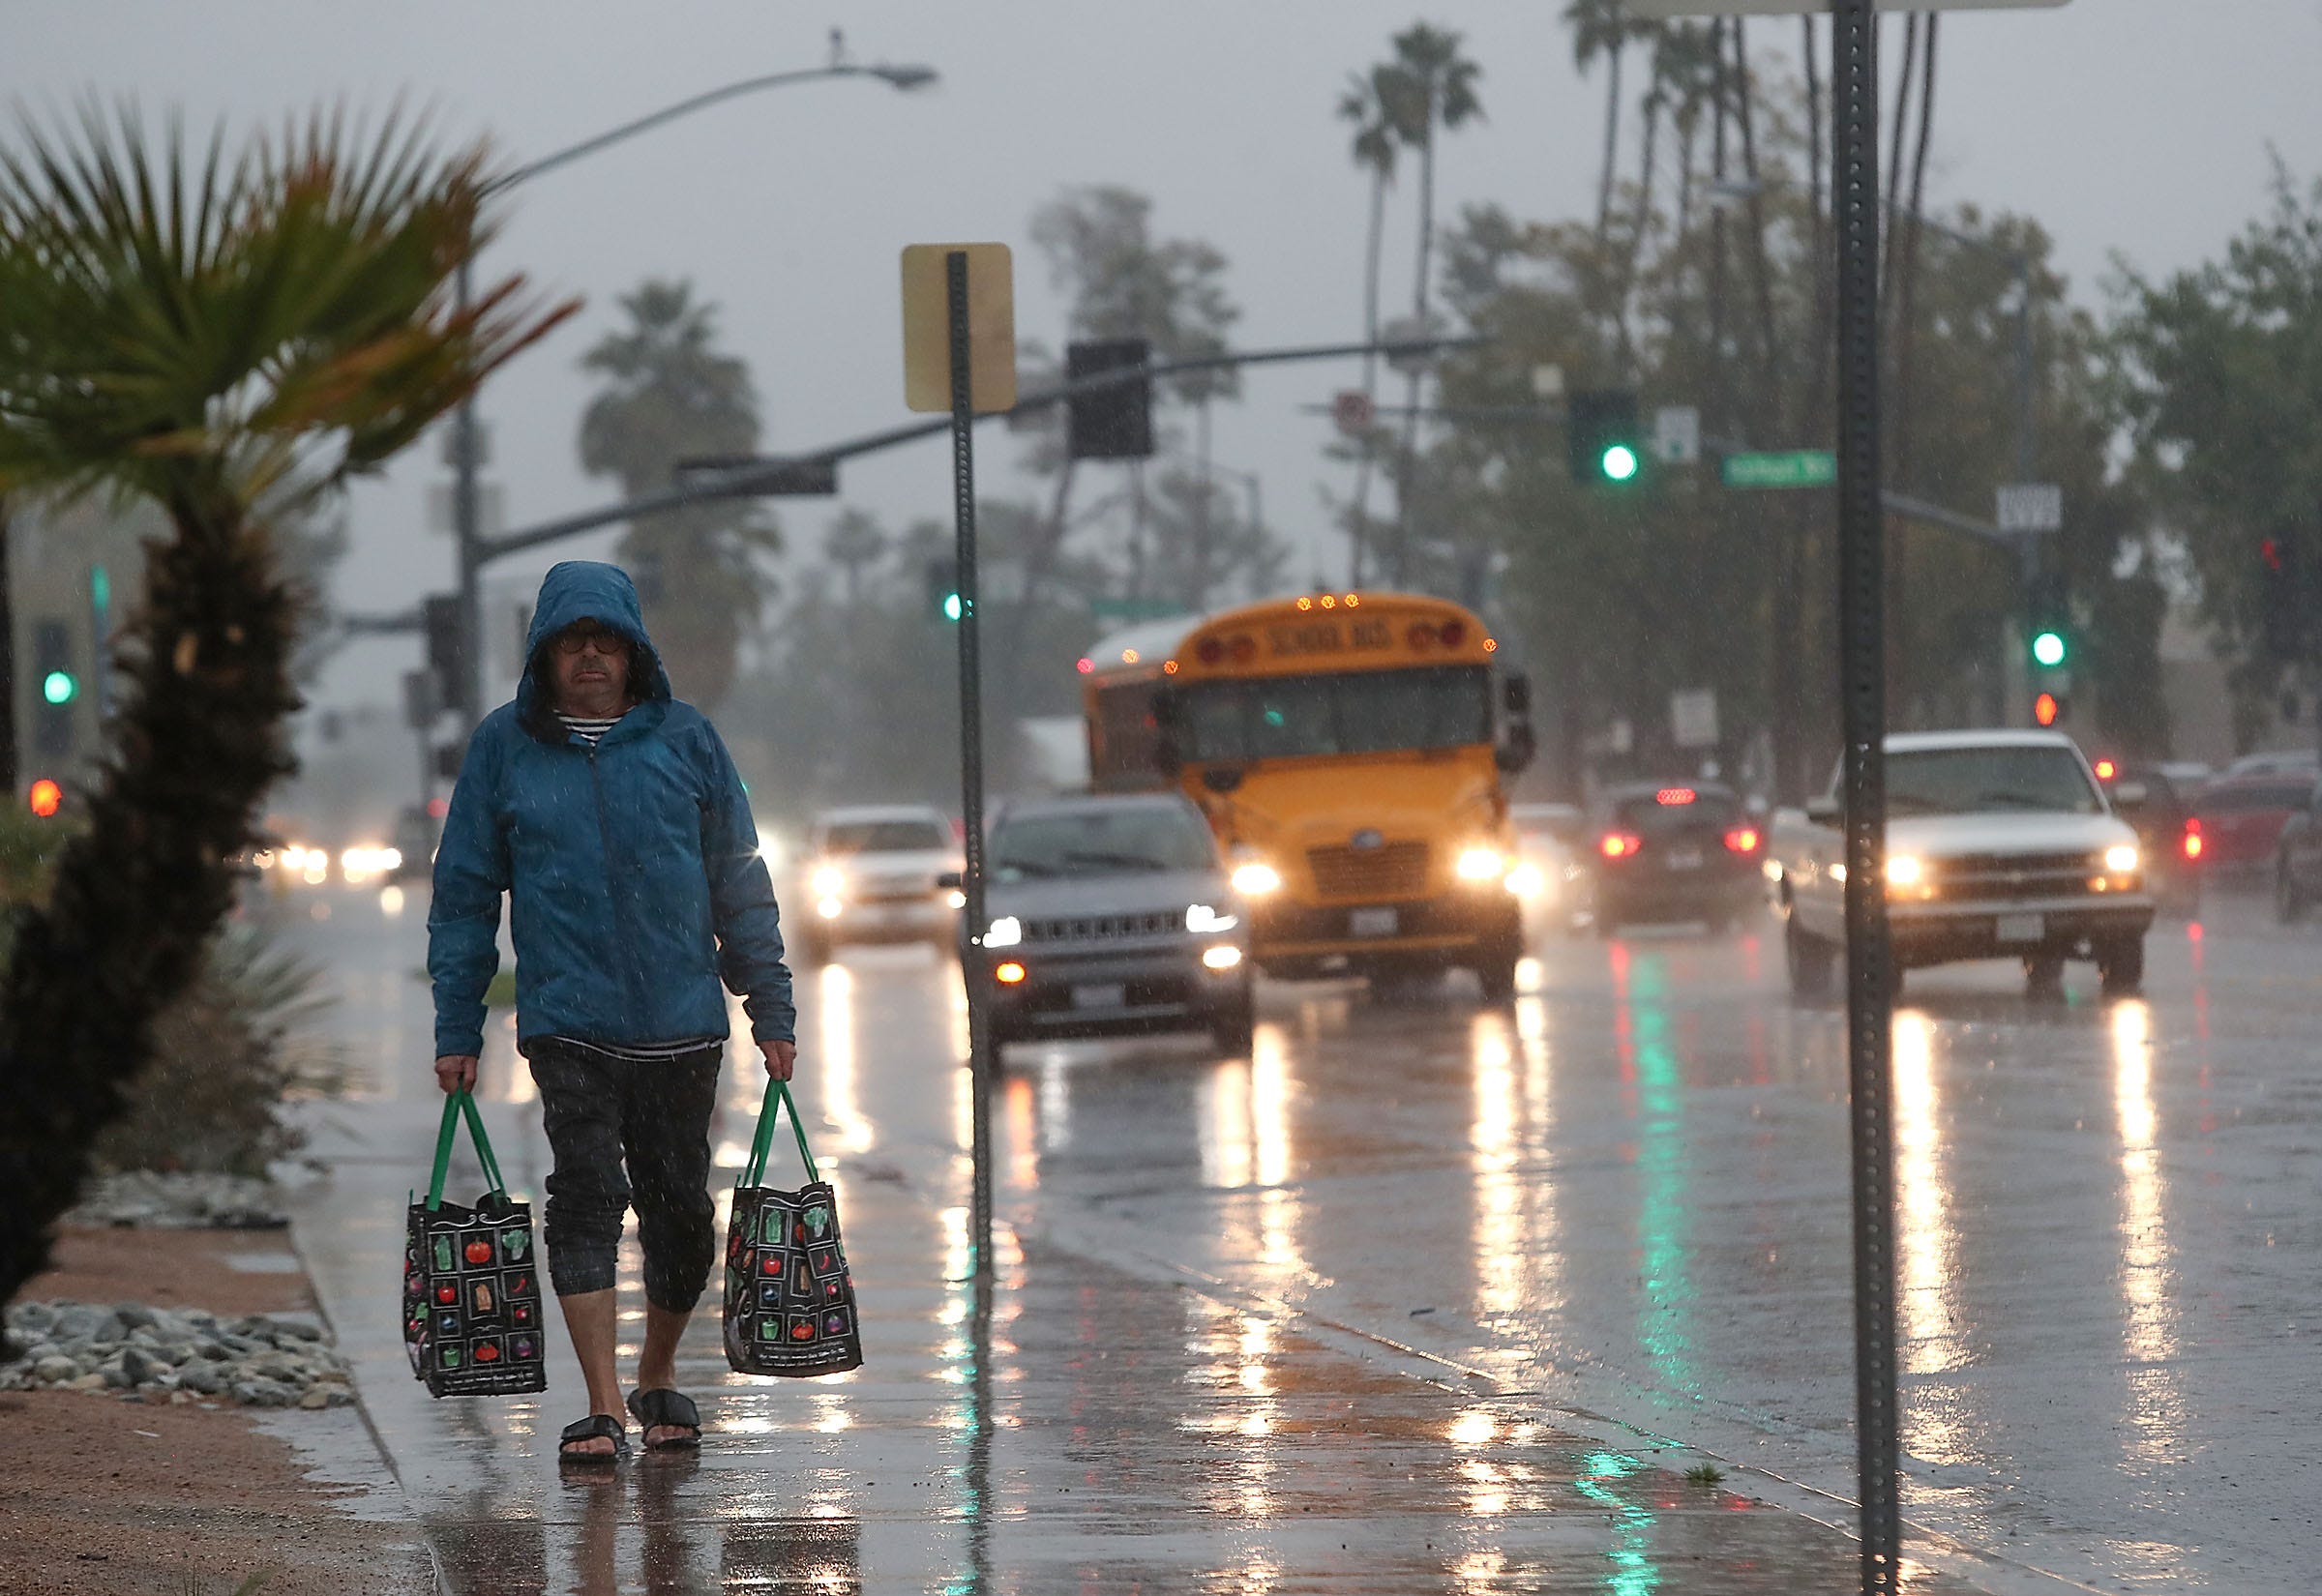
point(2136, 125)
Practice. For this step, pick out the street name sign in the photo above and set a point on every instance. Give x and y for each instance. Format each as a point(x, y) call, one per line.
point(927, 328)
point(1790, 469)
point(2031, 507)
point(1670, 9)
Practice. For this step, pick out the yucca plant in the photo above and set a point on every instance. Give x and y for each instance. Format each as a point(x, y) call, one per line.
point(225, 336)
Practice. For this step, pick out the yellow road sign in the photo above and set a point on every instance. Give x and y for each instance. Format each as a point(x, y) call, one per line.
point(927, 328)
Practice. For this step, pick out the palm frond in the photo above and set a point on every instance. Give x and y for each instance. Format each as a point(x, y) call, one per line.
point(177, 320)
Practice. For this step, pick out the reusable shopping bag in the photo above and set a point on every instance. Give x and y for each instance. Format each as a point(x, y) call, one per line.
point(471, 1300)
point(790, 1300)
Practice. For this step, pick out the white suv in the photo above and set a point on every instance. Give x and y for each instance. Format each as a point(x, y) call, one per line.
point(873, 875)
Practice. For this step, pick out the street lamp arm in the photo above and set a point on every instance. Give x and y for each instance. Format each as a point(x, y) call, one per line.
point(901, 77)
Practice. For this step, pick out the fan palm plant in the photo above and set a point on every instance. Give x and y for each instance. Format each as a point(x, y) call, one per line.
point(229, 337)
point(1375, 146)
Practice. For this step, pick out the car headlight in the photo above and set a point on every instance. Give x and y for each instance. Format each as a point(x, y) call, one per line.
point(1527, 881)
point(1005, 933)
point(1481, 864)
point(829, 881)
point(1255, 878)
point(1904, 870)
point(1224, 957)
point(1203, 918)
point(2121, 859)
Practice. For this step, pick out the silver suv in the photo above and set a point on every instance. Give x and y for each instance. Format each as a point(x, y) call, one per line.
point(1112, 914)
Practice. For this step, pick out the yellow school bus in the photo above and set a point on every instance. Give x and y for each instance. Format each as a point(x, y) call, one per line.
point(1343, 747)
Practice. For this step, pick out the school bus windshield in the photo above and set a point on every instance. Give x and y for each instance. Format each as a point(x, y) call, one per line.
point(1365, 712)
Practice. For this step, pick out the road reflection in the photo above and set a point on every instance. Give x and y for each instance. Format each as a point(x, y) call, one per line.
point(1653, 1094)
point(1928, 1244)
point(2155, 1415)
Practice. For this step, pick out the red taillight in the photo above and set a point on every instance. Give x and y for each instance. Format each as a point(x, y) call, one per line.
point(2192, 839)
point(1669, 797)
point(1620, 844)
point(1741, 839)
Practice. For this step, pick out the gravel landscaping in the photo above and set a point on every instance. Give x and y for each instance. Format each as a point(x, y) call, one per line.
point(178, 1355)
point(147, 1199)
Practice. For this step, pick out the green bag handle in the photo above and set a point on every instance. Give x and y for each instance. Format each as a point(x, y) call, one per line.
point(457, 1106)
point(778, 1097)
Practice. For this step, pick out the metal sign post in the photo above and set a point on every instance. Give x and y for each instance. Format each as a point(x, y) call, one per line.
point(971, 760)
point(1862, 697)
point(959, 355)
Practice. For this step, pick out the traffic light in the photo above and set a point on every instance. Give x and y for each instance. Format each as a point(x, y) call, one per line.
point(943, 590)
point(2047, 709)
point(45, 798)
point(447, 646)
point(2047, 621)
point(2286, 589)
point(1114, 422)
point(57, 685)
point(1601, 437)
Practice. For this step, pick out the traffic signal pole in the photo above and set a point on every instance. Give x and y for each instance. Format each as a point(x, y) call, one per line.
point(1862, 690)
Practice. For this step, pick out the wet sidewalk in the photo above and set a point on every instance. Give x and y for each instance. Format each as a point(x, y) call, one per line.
point(1125, 1431)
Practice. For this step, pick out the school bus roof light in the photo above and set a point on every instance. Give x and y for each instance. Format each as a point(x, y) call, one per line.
point(1305, 604)
point(1168, 668)
point(1353, 601)
point(1128, 656)
point(1491, 645)
point(1330, 601)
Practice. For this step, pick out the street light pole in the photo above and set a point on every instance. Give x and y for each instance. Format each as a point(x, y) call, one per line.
point(466, 694)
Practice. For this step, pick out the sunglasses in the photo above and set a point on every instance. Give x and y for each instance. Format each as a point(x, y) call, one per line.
point(604, 640)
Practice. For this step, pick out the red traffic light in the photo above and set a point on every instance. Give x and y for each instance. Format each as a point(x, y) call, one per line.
point(2106, 770)
point(46, 798)
point(2047, 709)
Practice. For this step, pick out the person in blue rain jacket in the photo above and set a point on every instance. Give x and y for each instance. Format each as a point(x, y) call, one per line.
point(612, 818)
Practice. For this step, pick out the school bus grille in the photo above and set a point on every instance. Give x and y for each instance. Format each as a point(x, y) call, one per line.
point(1391, 871)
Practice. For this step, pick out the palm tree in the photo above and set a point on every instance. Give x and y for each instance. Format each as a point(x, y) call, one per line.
point(230, 339)
point(669, 395)
point(1365, 105)
point(1429, 84)
point(1601, 29)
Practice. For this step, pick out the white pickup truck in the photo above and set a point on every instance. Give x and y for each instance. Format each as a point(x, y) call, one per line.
point(2000, 844)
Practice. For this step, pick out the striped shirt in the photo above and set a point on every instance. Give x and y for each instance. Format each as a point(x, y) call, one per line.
point(589, 730)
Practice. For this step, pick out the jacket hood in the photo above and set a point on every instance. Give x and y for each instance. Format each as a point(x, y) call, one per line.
point(588, 590)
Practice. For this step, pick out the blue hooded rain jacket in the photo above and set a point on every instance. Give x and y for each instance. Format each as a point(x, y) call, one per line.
point(632, 869)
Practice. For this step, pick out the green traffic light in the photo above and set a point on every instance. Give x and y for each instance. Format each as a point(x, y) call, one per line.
point(59, 688)
point(2048, 648)
point(1619, 462)
point(952, 606)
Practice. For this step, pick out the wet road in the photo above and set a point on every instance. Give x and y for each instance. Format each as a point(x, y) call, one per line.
point(1450, 1289)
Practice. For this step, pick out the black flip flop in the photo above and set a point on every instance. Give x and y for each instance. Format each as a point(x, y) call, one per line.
point(596, 1427)
point(667, 1408)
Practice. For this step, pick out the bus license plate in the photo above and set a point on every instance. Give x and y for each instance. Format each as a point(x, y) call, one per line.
point(2021, 927)
point(1114, 996)
point(1371, 923)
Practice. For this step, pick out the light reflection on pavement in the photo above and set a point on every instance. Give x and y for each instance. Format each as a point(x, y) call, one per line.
point(1352, 1288)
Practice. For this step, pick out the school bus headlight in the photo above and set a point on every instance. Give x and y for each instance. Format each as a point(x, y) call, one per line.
point(829, 881)
point(1527, 881)
point(1255, 878)
point(1481, 865)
